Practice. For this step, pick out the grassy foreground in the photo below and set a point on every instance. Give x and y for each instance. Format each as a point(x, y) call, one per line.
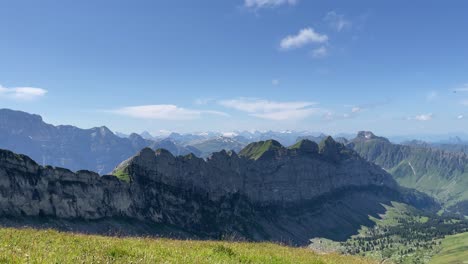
point(49, 246)
point(454, 250)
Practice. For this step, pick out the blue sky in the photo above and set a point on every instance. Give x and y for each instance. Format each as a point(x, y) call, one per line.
point(393, 67)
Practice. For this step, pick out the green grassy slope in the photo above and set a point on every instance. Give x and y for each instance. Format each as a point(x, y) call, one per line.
point(47, 246)
point(454, 250)
point(257, 149)
point(402, 235)
point(122, 174)
point(401, 228)
point(443, 175)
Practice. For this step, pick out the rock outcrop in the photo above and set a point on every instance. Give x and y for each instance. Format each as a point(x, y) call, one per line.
point(280, 194)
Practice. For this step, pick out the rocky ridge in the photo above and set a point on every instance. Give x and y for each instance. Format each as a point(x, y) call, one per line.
point(439, 173)
point(286, 194)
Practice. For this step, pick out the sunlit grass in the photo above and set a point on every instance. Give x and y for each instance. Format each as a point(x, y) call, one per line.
point(50, 246)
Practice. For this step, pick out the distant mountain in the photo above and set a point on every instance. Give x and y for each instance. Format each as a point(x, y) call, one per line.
point(122, 135)
point(449, 138)
point(316, 139)
point(147, 135)
point(441, 174)
point(206, 147)
point(175, 148)
point(96, 149)
point(451, 145)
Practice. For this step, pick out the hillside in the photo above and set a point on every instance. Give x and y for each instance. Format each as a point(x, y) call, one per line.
point(441, 174)
point(404, 235)
point(47, 246)
point(453, 250)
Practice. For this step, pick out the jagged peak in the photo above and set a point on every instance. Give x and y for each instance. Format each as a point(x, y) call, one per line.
point(330, 149)
point(163, 153)
point(305, 145)
point(17, 113)
point(257, 149)
point(368, 135)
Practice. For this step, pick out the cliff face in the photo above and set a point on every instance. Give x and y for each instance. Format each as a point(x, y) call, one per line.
point(277, 175)
point(283, 195)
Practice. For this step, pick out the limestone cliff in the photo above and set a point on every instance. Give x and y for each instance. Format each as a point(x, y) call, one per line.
point(280, 194)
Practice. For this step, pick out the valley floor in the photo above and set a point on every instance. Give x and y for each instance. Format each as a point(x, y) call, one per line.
point(50, 246)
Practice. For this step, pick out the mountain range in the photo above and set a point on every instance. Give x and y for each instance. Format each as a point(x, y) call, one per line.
point(267, 192)
point(96, 149)
point(99, 149)
point(431, 169)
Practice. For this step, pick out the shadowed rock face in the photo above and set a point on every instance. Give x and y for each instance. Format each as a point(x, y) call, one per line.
point(278, 175)
point(287, 195)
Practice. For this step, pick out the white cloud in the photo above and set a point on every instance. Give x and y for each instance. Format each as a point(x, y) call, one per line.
point(422, 117)
point(304, 37)
point(320, 52)
point(460, 117)
point(275, 82)
point(268, 3)
point(337, 21)
point(22, 93)
point(356, 109)
point(294, 114)
point(272, 110)
point(164, 112)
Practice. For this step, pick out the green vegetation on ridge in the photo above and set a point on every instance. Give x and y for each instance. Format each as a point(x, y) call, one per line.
point(48, 246)
point(454, 250)
point(257, 149)
point(441, 174)
point(122, 174)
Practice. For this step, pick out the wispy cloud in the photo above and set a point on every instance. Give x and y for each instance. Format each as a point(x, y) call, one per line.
point(275, 82)
point(164, 112)
point(320, 52)
point(422, 117)
point(356, 109)
point(336, 21)
point(460, 116)
point(304, 37)
point(22, 93)
point(272, 110)
point(268, 3)
point(352, 111)
point(332, 116)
